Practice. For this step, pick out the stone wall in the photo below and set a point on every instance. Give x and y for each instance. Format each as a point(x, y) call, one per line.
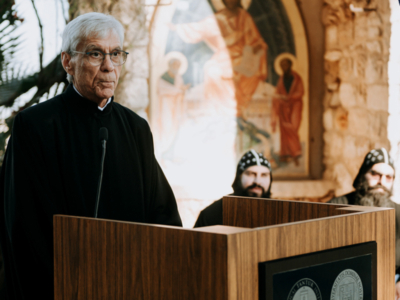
point(355, 115)
point(133, 90)
point(394, 95)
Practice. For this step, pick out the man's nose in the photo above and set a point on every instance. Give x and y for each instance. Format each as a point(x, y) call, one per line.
point(381, 180)
point(107, 65)
point(257, 179)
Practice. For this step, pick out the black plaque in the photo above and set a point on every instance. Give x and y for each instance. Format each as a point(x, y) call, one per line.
point(342, 273)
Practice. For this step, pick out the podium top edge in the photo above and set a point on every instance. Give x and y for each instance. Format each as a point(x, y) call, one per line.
point(339, 206)
point(358, 208)
point(216, 229)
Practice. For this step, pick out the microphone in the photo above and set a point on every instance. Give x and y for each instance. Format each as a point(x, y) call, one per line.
point(103, 135)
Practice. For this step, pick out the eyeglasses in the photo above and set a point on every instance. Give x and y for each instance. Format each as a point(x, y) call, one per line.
point(96, 58)
point(377, 176)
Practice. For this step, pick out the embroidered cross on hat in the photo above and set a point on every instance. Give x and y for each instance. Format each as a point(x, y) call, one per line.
point(252, 158)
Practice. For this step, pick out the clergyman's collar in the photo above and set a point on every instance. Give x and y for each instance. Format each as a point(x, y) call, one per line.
point(82, 105)
point(100, 108)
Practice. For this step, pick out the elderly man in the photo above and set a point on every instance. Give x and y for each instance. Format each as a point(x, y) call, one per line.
point(253, 179)
point(373, 187)
point(53, 159)
point(373, 183)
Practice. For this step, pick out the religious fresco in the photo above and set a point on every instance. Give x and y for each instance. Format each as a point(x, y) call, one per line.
point(233, 76)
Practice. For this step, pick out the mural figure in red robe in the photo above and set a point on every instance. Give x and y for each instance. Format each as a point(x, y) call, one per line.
point(287, 106)
point(239, 61)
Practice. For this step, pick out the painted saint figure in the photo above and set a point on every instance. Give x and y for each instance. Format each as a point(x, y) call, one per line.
point(239, 60)
point(247, 50)
point(287, 108)
point(171, 92)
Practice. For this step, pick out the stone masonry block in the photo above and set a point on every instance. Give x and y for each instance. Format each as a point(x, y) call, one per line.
point(334, 100)
point(345, 33)
point(347, 95)
point(346, 68)
point(331, 37)
point(375, 69)
point(343, 178)
point(362, 148)
point(378, 122)
point(139, 62)
point(341, 119)
point(349, 147)
point(134, 94)
point(360, 29)
point(378, 97)
point(374, 32)
point(333, 144)
point(333, 55)
point(328, 119)
point(358, 122)
point(374, 47)
point(382, 143)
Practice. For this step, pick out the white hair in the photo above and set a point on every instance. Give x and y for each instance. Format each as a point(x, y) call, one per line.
point(89, 25)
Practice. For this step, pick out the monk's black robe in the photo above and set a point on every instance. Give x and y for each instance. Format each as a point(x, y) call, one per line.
point(211, 215)
point(350, 199)
point(52, 166)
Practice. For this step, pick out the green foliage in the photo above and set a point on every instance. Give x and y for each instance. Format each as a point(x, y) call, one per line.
point(12, 83)
point(9, 21)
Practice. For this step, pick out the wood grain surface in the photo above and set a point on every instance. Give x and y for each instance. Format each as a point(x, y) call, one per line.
point(329, 226)
point(254, 212)
point(104, 259)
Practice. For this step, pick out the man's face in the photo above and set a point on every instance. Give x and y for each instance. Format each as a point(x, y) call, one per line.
point(286, 65)
point(174, 67)
point(256, 180)
point(96, 83)
point(231, 4)
point(380, 178)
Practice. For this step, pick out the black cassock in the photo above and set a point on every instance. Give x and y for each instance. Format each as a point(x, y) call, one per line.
point(52, 166)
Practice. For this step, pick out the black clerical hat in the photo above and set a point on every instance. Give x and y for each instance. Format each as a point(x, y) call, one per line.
point(252, 158)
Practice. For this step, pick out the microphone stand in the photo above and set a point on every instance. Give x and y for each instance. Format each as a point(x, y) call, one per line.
point(103, 137)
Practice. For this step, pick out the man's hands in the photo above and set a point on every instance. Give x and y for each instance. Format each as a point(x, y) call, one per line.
point(257, 48)
point(281, 97)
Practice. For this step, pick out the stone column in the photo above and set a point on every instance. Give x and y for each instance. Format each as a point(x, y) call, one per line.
point(356, 97)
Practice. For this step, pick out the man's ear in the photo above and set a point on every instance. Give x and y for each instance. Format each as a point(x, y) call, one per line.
point(67, 63)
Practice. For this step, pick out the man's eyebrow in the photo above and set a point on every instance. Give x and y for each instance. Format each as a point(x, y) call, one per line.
point(382, 174)
point(96, 47)
point(91, 47)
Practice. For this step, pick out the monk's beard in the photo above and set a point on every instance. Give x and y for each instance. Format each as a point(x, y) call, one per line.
point(240, 191)
point(369, 196)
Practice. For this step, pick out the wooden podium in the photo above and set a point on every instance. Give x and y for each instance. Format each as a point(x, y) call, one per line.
point(106, 259)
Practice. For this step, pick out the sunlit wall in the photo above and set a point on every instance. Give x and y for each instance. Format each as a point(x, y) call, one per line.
point(394, 94)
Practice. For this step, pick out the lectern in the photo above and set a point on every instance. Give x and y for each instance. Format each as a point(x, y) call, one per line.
point(266, 249)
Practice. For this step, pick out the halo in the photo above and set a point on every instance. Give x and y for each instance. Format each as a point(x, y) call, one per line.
point(218, 5)
point(179, 56)
point(282, 56)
